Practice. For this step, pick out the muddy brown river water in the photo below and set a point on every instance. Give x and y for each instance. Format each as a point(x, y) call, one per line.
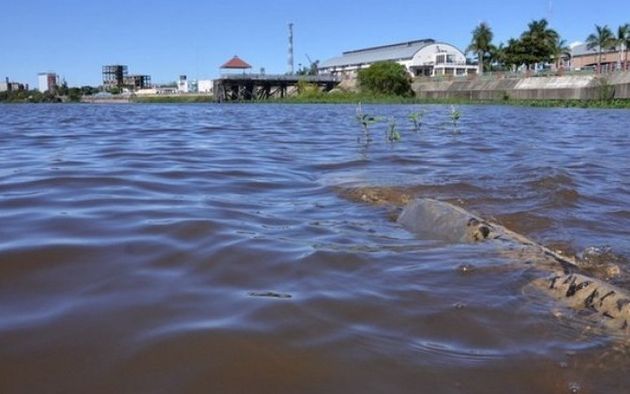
point(215, 249)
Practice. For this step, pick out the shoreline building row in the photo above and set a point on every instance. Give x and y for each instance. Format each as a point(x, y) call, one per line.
point(8, 86)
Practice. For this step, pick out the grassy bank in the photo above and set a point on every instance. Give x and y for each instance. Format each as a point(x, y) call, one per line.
point(350, 98)
point(353, 98)
point(179, 99)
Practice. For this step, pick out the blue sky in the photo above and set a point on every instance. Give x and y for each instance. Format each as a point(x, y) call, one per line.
point(166, 38)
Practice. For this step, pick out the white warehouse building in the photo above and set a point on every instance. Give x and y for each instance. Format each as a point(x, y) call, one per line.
point(421, 58)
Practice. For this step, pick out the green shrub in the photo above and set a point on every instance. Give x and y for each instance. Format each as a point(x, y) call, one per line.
point(387, 78)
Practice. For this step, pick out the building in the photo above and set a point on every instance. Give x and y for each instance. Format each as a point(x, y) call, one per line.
point(421, 58)
point(154, 91)
point(114, 76)
point(236, 64)
point(205, 86)
point(47, 82)
point(8, 86)
point(184, 85)
point(583, 58)
point(137, 81)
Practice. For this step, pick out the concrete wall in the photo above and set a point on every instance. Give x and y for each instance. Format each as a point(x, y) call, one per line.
point(582, 87)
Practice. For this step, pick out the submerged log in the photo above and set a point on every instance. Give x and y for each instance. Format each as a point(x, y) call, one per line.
point(610, 305)
point(441, 220)
point(438, 219)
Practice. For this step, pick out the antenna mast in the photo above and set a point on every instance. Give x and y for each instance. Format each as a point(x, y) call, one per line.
point(290, 62)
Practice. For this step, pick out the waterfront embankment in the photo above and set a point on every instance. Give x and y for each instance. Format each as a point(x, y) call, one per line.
point(570, 87)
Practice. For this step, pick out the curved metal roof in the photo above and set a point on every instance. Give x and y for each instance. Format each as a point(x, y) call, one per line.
point(403, 50)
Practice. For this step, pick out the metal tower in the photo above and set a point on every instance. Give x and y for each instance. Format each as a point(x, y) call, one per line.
point(290, 62)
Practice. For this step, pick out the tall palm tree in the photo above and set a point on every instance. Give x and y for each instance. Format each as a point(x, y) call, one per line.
point(512, 54)
point(539, 40)
point(481, 43)
point(602, 39)
point(497, 55)
point(560, 50)
point(541, 30)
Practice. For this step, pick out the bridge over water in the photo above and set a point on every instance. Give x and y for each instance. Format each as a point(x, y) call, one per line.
point(247, 87)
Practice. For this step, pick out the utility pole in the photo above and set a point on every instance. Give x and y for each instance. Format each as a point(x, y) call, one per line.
point(290, 60)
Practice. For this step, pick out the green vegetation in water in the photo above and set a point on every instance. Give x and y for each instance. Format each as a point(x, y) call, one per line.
point(416, 119)
point(612, 104)
point(365, 121)
point(455, 115)
point(393, 135)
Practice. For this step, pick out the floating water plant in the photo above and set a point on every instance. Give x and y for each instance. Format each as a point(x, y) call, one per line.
point(365, 121)
point(455, 115)
point(416, 119)
point(392, 133)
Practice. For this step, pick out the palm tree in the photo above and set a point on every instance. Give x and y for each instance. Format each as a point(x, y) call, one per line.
point(513, 54)
point(540, 40)
point(560, 50)
point(623, 42)
point(480, 44)
point(602, 39)
point(497, 55)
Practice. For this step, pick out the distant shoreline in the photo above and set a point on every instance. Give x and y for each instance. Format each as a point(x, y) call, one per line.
point(354, 98)
point(351, 98)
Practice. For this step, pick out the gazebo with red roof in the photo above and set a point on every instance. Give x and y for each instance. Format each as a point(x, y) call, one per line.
point(236, 63)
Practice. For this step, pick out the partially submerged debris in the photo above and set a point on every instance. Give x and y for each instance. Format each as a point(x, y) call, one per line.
point(269, 294)
point(451, 223)
point(377, 195)
point(441, 220)
point(608, 304)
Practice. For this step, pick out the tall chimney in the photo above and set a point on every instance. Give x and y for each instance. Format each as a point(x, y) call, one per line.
point(290, 62)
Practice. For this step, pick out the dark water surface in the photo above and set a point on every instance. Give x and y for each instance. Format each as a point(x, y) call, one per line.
point(140, 245)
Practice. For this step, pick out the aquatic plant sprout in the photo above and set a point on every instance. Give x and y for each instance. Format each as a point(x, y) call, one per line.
point(455, 115)
point(365, 120)
point(416, 119)
point(392, 133)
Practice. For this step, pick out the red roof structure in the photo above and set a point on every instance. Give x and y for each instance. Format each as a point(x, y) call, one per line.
point(236, 63)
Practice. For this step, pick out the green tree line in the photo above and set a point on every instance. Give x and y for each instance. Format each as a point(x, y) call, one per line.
point(539, 43)
point(59, 94)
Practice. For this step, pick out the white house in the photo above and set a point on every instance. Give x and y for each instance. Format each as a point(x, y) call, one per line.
point(421, 57)
point(205, 86)
point(184, 85)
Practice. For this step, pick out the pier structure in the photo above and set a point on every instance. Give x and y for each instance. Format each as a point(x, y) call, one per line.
point(248, 87)
point(240, 85)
